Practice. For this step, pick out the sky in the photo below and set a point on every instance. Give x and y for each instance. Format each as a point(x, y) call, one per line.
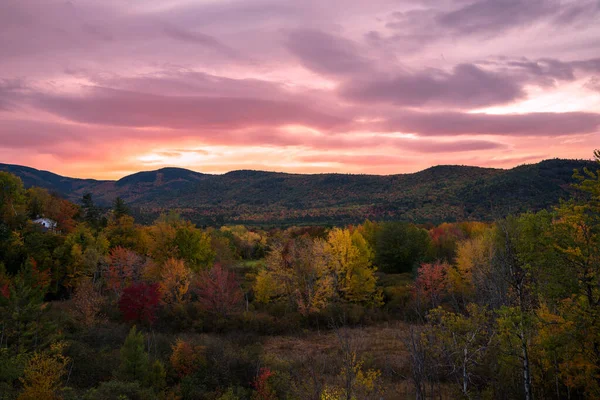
point(105, 88)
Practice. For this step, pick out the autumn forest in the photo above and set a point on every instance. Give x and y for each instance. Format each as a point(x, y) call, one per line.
point(98, 306)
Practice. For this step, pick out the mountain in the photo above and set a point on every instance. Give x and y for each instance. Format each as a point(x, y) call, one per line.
point(441, 193)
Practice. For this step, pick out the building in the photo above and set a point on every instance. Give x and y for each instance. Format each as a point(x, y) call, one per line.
point(46, 223)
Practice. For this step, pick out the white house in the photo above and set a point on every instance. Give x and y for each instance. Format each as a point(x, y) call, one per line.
point(47, 223)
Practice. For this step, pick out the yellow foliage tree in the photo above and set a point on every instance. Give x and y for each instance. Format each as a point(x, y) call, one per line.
point(473, 263)
point(266, 287)
point(357, 382)
point(297, 270)
point(350, 260)
point(42, 378)
point(175, 281)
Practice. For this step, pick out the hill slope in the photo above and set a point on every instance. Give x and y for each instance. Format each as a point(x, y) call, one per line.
point(442, 193)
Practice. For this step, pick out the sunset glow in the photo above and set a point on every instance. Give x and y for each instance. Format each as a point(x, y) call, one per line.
point(102, 89)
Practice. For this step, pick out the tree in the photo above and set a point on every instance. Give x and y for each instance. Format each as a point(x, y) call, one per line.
point(119, 390)
point(193, 246)
point(42, 378)
point(463, 343)
point(125, 269)
point(162, 238)
point(431, 284)
point(515, 317)
point(474, 276)
point(135, 363)
point(64, 213)
point(400, 246)
point(266, 287)
point(297, 271)
point(139, 302)
point(444, 240)
point(11, 370)
point(250, 243)
point(83, 256)
point(120, 209)
point(354, 381)
point(349, 258)
point(12, 198)
point(173, 238)
point(174, 282)
point(87, 303)
point(576, 238)
point(37, 202)
point(219, 291)
point(123, 232)
point(186, 359)
point(24, 314)
point(311, 273)
point(157, 376)
point(262, 386)
point(225, 250)
point(90, 212)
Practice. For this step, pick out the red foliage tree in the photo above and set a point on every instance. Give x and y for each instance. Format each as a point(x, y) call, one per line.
point(39, 279)
point(5, 291)
point(139, 302)
point(431, 283)
point(263, 390)
point(445, 238)
point(218, 291)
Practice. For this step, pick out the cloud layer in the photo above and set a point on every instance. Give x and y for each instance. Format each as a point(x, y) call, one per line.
point(104, 88)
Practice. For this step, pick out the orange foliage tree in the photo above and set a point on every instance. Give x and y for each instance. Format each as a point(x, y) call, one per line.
point(186, 359)
point(124, 269)
point(86, 303)
point(175, 281)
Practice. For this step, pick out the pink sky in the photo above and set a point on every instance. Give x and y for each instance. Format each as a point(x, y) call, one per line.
point(104, 88)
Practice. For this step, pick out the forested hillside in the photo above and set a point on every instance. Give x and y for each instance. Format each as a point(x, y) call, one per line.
point(442, 193)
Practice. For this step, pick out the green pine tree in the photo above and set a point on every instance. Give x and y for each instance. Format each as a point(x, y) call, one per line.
point(157, 376)
point(134, 359)
point(120, 209)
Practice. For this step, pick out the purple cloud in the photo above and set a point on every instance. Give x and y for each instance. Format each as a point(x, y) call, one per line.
point(325, 53)
point(104, 106)
point(491, 16)
point(197, 38)
point(531, 124)
point(466, 86)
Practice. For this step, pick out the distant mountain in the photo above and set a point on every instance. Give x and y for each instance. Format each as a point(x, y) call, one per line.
point(441, 193)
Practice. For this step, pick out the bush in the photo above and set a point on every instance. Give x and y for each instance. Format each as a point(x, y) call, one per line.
point(91, 365)
point(117, 390)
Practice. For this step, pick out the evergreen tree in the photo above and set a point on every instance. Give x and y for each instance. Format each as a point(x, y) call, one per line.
point(157, 376)
point(24, 321)
point(90, 212)
point(120, 209)
point(12, 200)
point(134, 359)
point(400, 246)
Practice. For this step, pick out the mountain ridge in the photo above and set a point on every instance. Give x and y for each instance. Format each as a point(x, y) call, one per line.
point(439, 193)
